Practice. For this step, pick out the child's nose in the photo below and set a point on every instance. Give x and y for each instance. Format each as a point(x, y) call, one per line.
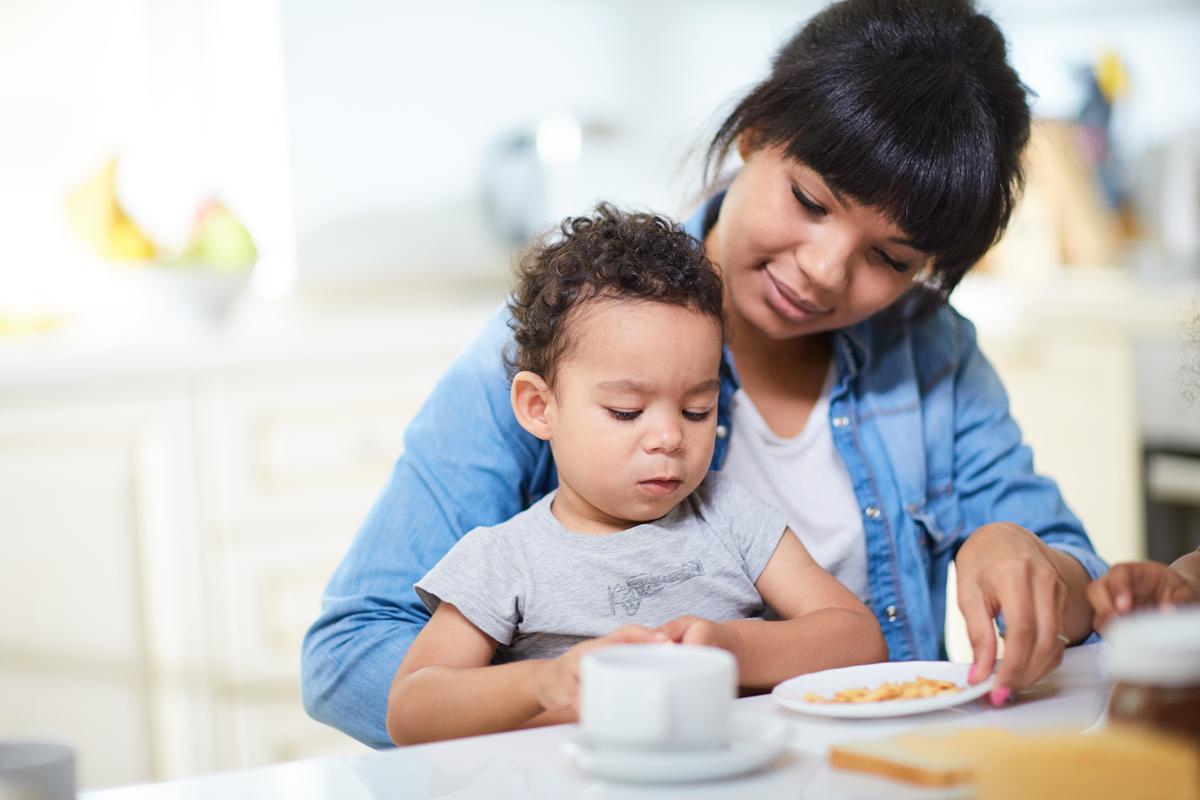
point(666, 436)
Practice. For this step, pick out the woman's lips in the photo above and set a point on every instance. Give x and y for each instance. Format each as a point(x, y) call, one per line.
point(659, 486)
point(786, 302)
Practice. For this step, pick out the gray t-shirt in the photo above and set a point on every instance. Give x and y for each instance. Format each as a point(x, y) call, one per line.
point(537, 588)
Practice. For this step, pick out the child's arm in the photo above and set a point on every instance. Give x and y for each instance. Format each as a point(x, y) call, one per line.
point(824, 625)
point(446, 687)
point(1140, 584)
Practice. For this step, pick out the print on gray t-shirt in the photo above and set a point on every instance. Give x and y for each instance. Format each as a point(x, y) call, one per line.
point(629, 594)
point(537, 588)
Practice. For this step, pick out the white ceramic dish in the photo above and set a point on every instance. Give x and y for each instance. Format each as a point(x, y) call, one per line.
point(790, 693)
point(749, 750)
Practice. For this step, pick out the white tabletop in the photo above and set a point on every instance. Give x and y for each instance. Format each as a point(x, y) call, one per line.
point(531, 763)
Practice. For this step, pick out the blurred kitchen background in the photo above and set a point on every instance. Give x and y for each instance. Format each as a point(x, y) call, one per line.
point(240, 239)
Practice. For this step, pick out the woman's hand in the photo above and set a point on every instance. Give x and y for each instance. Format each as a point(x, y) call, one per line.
point(697, 630)
point(558, 680)
point(1139, 584)
point(1003, 568)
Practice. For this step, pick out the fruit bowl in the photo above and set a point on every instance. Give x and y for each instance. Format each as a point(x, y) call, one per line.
point(205, 293)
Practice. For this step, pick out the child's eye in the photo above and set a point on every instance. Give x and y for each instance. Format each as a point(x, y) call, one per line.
point(809, 205)
point(623, 415)
point(697, 416)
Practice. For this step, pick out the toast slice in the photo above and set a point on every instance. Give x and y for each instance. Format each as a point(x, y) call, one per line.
point(932, 757)
point(1119, 762)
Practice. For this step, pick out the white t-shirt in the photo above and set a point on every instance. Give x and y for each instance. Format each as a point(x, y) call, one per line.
point(805, 479)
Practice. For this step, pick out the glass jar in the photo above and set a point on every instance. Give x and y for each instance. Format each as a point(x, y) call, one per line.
point(1154, 657)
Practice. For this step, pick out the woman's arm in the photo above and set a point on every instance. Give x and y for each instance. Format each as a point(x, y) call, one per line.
point(466, 463)
point(447, 688)
point(824, 625)
point(1027, 556)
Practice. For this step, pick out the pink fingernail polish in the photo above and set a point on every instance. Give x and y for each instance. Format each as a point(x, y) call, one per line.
point(1000, 696)
point(971, 674)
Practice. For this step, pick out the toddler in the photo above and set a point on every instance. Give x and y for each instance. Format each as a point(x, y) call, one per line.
point(617, 343)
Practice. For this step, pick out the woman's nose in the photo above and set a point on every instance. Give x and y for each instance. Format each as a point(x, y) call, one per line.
point(826, 261)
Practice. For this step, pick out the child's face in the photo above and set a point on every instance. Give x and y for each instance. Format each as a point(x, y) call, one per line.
point(633, 413)
point(795, 260)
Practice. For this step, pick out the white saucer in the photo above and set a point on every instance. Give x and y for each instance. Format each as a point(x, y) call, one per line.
point(748, 751)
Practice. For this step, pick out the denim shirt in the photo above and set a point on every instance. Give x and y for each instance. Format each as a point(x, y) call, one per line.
point(918, 415)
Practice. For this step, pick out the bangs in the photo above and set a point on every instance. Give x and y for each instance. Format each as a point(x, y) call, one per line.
point(907, 143)
point(908, 108)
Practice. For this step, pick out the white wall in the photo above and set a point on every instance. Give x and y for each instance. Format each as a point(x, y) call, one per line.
point(392, 106)
point(357, 132)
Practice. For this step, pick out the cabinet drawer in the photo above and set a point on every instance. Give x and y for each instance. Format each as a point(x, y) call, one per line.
point(270, 730)
point(298, 445)
point(271, 596)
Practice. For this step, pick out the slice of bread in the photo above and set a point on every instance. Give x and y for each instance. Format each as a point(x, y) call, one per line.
point(1118, 762)
point(928, 757)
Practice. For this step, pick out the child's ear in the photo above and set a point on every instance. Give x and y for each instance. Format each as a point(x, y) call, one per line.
point(530, 399)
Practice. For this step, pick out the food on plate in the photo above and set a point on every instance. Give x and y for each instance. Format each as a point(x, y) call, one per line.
point(906, 690)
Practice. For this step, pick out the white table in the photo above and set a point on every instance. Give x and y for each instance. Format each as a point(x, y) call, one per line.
point(531, 764)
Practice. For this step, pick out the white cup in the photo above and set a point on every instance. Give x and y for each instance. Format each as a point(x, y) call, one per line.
point(36, 771)
point(657, 696)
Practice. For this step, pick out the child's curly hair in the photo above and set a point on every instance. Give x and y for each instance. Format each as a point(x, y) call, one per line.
point(609, 254)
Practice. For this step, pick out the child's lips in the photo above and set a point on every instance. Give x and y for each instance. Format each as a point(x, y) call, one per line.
point(660, 486)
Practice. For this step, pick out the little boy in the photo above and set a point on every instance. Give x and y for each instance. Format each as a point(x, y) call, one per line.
point(617, 341)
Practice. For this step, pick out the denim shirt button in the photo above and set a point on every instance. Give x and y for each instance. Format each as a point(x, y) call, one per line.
point(891, 613)
point(872, 512)
point(841, 422)
point(722, 431)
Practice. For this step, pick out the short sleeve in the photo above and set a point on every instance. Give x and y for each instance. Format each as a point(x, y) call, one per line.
point(477, 576)
point(750, 526)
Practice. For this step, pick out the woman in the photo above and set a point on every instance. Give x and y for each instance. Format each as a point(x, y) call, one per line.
point(881, 160)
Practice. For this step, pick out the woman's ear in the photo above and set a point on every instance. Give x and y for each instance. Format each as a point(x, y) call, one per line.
point(747, 143)
point(530, 399)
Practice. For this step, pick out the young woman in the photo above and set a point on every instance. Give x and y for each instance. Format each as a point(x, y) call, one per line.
point(881, 159)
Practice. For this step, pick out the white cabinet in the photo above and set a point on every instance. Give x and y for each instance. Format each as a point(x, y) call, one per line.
point(96, 495)
point(167, 529)
point(292, 462)
point(1073, 396)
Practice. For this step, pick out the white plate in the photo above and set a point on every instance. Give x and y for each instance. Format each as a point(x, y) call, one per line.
point(791, 693)
point(749, 750)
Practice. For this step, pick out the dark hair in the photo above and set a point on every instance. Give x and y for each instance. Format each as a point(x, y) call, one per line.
point(909, 106)
point(610, 254)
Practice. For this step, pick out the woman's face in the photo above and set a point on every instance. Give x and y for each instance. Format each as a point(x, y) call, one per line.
point(798, 259)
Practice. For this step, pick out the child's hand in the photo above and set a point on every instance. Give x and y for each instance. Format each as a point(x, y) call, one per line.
point(558, 682)
point(1135, 585)
point(697, 630)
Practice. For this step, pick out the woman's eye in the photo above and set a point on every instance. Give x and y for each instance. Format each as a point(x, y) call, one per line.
point(622, 415)
point(899, 266)
point(697, 416)
point(809, 205)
